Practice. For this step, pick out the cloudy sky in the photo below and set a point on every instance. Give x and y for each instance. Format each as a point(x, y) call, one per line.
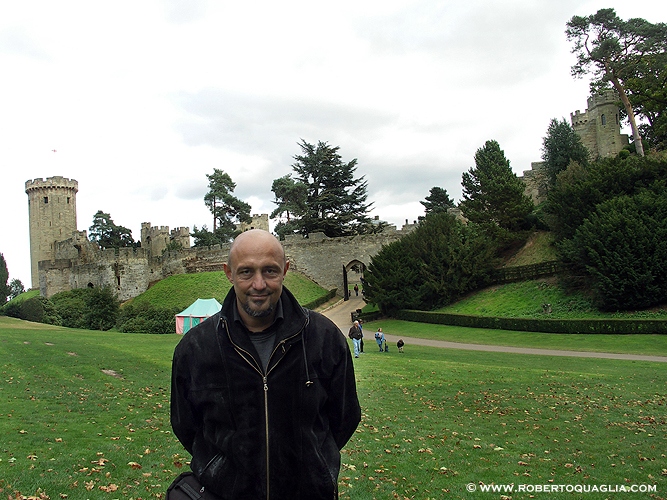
point(141, 100)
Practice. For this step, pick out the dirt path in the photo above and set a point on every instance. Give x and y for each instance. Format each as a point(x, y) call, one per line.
point(340, 314)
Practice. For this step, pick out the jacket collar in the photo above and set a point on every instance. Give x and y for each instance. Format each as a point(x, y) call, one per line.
point(294, 316)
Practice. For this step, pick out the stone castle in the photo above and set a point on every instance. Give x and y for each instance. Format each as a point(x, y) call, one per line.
point(63, 258)
point(599, 128)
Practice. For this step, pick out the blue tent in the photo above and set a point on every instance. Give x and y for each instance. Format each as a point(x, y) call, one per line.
point(197, 312)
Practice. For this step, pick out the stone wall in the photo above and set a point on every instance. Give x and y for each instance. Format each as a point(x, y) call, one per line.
point(322, 259)
point(80, 263)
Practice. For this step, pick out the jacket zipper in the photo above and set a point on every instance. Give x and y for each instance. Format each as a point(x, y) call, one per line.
point(242, 352)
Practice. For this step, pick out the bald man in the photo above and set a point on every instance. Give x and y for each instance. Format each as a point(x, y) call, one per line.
point(263, 393)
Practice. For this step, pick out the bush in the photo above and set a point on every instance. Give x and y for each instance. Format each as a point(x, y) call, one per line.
point(146, 318)
point(71, 307)
point(102, 309)
point(434, 265)
point(12, 309)
point(623, 249)
point(39, 310)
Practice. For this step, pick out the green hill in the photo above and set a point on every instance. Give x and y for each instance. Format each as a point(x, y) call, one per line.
point(181, 290)
point(525, 299)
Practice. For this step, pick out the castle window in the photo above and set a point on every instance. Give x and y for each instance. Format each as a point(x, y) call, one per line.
point(68, 200)
point(46, 199)
point(604, 120)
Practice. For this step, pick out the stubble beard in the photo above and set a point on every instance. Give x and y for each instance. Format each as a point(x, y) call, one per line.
point(258, 313)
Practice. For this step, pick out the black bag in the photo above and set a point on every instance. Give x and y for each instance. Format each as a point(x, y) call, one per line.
point(187, 487)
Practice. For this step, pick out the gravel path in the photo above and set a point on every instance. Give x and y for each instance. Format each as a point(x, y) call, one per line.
point(340, 314)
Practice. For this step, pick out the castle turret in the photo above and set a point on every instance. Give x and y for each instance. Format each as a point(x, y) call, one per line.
point(599, 126)
point(52, 217)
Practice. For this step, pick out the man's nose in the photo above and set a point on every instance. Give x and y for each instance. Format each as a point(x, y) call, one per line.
point(258, 281)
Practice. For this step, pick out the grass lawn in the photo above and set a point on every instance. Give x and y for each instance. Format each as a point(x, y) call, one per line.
point(525, 299)
point(85, 415)
point(181, 290)
point(652, 345)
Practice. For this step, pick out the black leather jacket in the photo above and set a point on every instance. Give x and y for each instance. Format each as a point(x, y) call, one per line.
point(265, 435)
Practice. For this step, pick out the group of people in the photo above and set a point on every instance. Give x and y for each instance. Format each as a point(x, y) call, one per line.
point(356, 333)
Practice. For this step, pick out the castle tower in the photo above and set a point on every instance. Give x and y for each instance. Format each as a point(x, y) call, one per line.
point(599, 126)
point(52, 217)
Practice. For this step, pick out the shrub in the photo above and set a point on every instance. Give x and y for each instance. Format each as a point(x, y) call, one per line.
point(146, 318)
point(102, 309)
point(623, 249)
point(434, 265)
point(71, 307)
point(39, 310)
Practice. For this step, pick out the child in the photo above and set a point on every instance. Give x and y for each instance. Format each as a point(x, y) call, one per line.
point(400, 345)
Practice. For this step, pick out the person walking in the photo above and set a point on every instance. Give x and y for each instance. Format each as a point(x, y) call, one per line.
point(263, 394)
point(355, 335)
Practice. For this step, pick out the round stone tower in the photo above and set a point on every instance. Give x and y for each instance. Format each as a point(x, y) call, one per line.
point(52, 215)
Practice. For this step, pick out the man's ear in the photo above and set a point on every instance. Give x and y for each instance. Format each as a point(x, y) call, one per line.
point(228, 272)
point(286, 267)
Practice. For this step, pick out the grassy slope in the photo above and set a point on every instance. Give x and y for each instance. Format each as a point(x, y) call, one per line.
point(179, 291)
point(434, 420)
point(525, 299)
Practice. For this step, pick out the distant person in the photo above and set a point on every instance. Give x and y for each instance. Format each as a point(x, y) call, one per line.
point(263, 393)
point(400, 345)
point(355, 335)
point(356, 290)
point(379, 338)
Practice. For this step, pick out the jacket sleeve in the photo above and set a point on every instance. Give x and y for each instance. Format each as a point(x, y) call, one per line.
point(343, 405)
point(183, 421)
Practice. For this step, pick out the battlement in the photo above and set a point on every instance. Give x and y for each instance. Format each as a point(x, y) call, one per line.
point(578, 118)
point(608, 97)
point(56, 182)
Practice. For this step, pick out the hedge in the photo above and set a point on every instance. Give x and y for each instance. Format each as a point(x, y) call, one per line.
point(596, 326)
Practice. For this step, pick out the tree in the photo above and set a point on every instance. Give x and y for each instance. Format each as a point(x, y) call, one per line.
point(107, 234)
point(4, 276)
point(561, 146)
point(102, 309)
point(622, 249)
point(291, 198)
point(492, 193)
point(612, 49)
point(580, 190)
point(205, 238)
point(437, 263)
point(226, 208)
point(15, 288)
point(335, 200)
point(647, 90)
point(438, 201)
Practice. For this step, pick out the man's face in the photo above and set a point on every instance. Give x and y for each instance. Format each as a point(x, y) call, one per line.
point(257, 269)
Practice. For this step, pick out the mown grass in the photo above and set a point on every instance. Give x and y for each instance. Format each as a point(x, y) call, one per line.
point(655, 345)
point(179, 291)
point(86, 415)
point(525, 300)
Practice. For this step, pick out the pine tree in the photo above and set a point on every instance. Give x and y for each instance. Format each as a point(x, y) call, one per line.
point(492, 193)
point(335, 199)
point(437, 201)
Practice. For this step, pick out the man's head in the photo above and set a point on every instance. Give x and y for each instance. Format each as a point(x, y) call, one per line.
point(256, 267)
